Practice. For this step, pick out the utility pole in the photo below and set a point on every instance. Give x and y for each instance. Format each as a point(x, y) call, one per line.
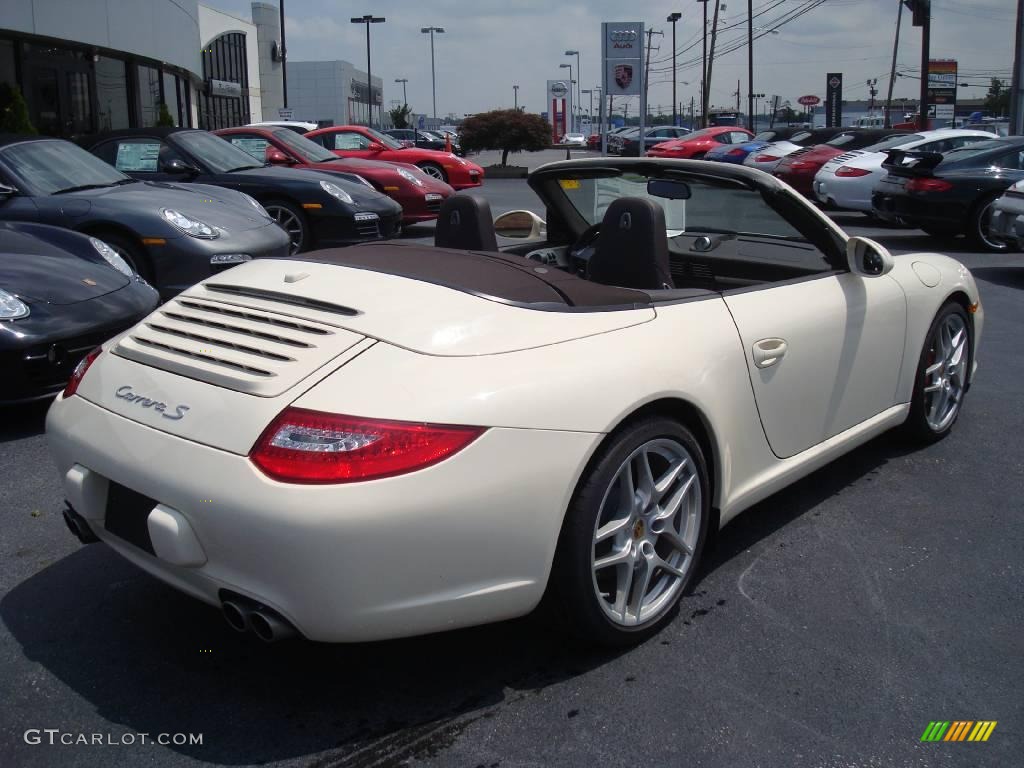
point(892, 72)
point(1016, 97)
point(284, 61)
point(921, 12)
point(737, 95)
point(750, 66)
point(872, 92)
point(704, 69)
point(647, 69)
point(515, 95)
point(711, 63)
point(672, 19)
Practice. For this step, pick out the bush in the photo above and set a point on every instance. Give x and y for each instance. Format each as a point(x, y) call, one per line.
point(14, 111)
point(164, 119)
point(506, 129)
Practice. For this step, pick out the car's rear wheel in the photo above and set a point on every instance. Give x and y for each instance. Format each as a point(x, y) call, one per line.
point(633, 534)
point(292, 220)
point(435, 170)
point(942, 375)
point(129, 250)
point(981, 219)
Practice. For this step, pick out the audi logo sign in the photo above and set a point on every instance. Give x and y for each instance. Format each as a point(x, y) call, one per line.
point(623, 36)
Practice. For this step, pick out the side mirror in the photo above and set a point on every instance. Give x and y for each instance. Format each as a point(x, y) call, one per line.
point(180, 167)
point(7, 191)
point(521, 225)
point(375, 146)
point(868, 258)
point(275, 156)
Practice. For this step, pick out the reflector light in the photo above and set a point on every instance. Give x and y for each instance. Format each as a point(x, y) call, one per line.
point(736, 152)
point(303, 446)
point(848, 171)
point(765, 159)
point(79, 373)
point(928, 185)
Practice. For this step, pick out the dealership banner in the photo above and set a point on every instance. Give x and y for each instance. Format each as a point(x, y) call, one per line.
point(834, 100)
point(622, 46)
point(942, 90)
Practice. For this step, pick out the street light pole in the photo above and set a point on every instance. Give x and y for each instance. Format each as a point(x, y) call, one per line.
point(579, 80)
point(515, 95)
point(569, 67)
point(673, 18)
point(704, 70)
point(403, 81)
point(284, 62)
point(433, 76)
point(750, 65)
point(368, 19)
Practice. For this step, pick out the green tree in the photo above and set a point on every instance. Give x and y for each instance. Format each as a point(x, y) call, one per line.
point(997, 100)
point(14, 111)
point(400, 116)
point(507, 130)
point(164, 118)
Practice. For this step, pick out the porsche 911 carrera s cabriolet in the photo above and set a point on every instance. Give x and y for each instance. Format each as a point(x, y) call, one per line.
point(391, 440)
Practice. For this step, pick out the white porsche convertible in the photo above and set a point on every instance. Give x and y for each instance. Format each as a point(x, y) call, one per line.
point(391, 439)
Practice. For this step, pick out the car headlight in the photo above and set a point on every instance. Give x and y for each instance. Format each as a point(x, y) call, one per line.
point(188, 225)
point(364, 181)
point(409, 176)
point(11, 307)
point(458, 160)
point(256, 204)
point(336, 192)
point(112, 257)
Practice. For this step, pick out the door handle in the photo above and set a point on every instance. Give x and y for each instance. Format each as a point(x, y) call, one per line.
point(768, 352)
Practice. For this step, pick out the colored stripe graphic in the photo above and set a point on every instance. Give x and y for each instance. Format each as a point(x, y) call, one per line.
point(958, 730)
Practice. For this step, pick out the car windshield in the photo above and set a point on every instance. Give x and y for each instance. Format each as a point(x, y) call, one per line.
point(894, 141)
point(710, 208)
point(974, 150)
point(52, 166)
point(695, 135)
point(212, 151)
point(384, 139)
point(308, 150)
point(430, 136)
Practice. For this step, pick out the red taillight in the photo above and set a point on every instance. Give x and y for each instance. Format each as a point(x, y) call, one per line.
point(765, 159)
point(79, 373)
point(802, 165)
point(928, 185)
point(848, 171)
point(736, 152)
point(302, 446)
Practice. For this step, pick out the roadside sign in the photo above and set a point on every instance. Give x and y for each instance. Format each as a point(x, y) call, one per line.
point(421, 122)
point(285, 114)
point(809, 101)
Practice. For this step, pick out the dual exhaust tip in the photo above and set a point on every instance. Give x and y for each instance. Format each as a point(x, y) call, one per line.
point(78, 526)
point(244, 615)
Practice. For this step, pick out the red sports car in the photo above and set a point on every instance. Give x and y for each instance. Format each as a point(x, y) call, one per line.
point(360, 141)
point(799, 168)
point(694, 145)
point(419, 194)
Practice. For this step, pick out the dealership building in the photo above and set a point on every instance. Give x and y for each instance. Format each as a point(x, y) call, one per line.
point(93, 65)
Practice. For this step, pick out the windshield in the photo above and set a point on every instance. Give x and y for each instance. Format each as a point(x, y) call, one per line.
point(430, 136)
point(384, 139)
point(51, 165)
point(213, 152)
point(308, 150)
point(710, 208)
point(972, 151)
point(894, 141)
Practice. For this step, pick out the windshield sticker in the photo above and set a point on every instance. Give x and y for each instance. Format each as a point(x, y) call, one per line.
point(137, 157)
point(569, 183)
point(255, 147)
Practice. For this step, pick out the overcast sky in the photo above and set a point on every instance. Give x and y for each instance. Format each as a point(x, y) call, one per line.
point(489, 45)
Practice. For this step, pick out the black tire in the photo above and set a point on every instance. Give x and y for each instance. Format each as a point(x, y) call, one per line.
point(292, 220)
point(131, 251)
point(435, 170)
point(943, 231)
point(977, 228)
point(917, 426)
point(573, 588)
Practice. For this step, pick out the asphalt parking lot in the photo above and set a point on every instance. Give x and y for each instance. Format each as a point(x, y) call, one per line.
point(830, 624)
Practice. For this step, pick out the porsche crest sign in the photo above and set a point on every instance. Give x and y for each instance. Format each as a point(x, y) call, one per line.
point(622, 51)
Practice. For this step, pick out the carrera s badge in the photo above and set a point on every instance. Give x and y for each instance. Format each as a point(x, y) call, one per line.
point(126, 393)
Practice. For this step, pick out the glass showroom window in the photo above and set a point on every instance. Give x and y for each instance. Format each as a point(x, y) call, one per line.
point(149, 96)
point(112, 94)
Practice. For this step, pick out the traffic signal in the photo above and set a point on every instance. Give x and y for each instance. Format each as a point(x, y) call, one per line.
point(921, 10)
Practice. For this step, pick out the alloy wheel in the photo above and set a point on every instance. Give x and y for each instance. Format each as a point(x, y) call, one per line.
point(983, 226)
point(945, 378)
point(646, 533)
point(433, 170)
point(290, 223)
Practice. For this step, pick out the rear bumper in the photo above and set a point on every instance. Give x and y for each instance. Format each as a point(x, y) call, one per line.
point(457, 544)
point(917, 211)
point(800, 181)
point(842, 193)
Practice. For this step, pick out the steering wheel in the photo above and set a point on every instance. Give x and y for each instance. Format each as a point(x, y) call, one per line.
point(587, 239)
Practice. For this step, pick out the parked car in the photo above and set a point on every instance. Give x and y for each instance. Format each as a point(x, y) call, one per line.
point(767, 157)
point(425, 140)
point(599, 404)
point(594, 141)
point(573, 139)
point(419, 195)
point(698, 143)
point(737, 153)
point(798, 168)
point(360, 141)
point(629, 144)
point(317, 210)
point(296, 126)
point(1007, 222)
point(846, 181)
point(61, 295)
point(951, 194)
point(995, 127)
point(174, 235)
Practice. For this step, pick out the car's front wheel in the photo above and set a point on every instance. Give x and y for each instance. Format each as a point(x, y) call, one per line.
point(943, 371)
point(435, 170)
point(633, 534)
point(293, 221)
point(981, 220)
